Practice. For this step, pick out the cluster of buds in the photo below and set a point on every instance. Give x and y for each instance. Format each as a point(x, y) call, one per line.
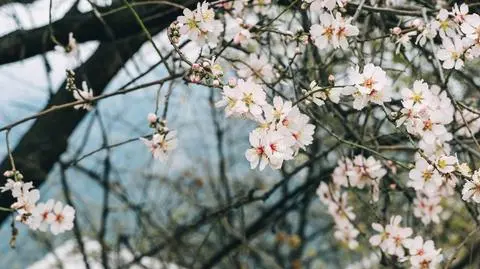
point(163, 140)
point(174, 32)
point(70, 81)
point(156, 123)
point(208, 70)
point(13, 173)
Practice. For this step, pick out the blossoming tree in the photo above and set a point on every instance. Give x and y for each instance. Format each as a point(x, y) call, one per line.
point(364, 113)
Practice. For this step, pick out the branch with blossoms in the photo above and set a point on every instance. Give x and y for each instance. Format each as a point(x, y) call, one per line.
point(381, 85)
point(421, 114)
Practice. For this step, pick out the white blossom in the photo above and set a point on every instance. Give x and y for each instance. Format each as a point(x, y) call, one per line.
point(471, 189)
point(61, 218)
point(161, 144)
point(370, 86)
point(451, 53)
point(86, 94)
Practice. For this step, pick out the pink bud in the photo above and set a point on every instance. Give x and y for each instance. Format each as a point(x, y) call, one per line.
point(232, 82)
point(194, 78)
point(8, 173)
point(331, 79)
point(152, 118)
point(417, 23)
point(396, 30)
point(238, 38)
point(195, 66)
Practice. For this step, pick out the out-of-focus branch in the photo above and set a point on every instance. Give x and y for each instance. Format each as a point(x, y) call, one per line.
point(22, 44)
point(41, 146)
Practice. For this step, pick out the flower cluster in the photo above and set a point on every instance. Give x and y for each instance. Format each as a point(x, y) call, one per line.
point(425, 113)
point(283, 129)
point(358, 173)
point(342, 214)
point(84, 94)
point(426, 110)
point(37, 216)
point(371, 85)
point(258, 68)
point(332, 31)
point(457, 29)
point(208, 72)
point(200, 25)
point(163, 140)
point(394, 240)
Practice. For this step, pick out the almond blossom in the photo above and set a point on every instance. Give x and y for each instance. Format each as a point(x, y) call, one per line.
point(348, 234)
point(38, 216)
point(341, 212)
point(447, 26)
point(397, 237)
point(343, 30)
point(424, 177)
point(451, 53)
point(41, 217)
point(269, 147)
point(380, 239)
point(324, 33)
point(392, 238)
point(446, 164)
point(258, 68)
point(86, 94)
point(427, 209)
point(423, 255)
point(332, 31)
point(246, 99)
point(161, 144)
point(459, 13)
point(370, 86)
point(200, 25)
point(471, 28)
point(471, 189)
point(61, 218)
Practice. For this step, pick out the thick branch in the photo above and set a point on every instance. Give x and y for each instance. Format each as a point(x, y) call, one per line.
point(22, 44)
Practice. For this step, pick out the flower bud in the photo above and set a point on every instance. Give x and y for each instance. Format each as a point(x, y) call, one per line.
point(194, 78)
point(195, 66)
point(331, 79)
point(232, 82)
point(216, 82)
point(152, 118)
point(8, 173)
point(396, 30)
